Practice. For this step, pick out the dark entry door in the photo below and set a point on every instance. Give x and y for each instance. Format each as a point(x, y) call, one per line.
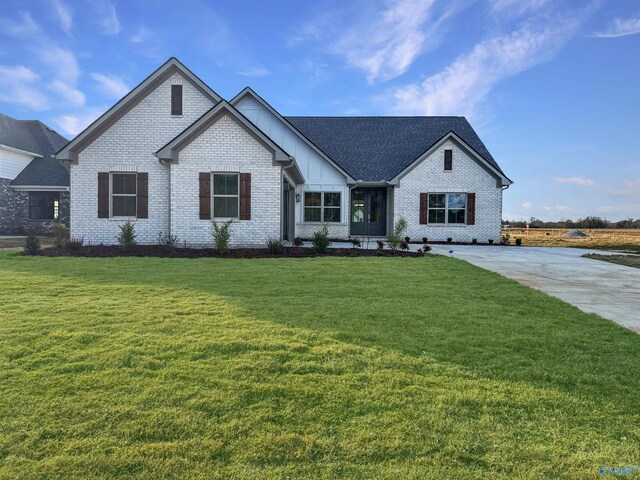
point(369, 211)
point(287, 210)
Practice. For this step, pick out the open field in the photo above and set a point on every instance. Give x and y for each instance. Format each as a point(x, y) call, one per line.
point(405, 368)
point(628, 260)
point(623, 240)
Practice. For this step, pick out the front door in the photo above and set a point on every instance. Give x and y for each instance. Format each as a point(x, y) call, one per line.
point(287, 210)
point(369, 212)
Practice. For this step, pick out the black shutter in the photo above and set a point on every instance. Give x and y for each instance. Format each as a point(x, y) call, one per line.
point(448, 159)
point(424, 208)
point(471, 208)
point(142, 192)
point(205, 195)
point(245, 196)
point(103, 195)
point(176, 99)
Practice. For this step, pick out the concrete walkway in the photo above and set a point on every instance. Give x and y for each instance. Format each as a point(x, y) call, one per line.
point(609, 290)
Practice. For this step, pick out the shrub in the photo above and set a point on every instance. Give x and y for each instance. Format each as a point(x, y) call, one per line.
point(404, 245)
point(127, 235)
point(380, 245)
point(167, 240)
point(506, 239)
point(75, 243)
point(298, 242)
point(320, 240)
point(356, 243)
point(426, 248)
point(474, 240)
point(32, 243)
point(407, 239)
point(221, 233)
point(395, 238)
point(274, 245)
point(449, 239)
point(425, 239)
point(518, 241)
point(60, 235)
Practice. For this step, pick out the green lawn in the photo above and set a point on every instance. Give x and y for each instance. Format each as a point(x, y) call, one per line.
point(291, 368)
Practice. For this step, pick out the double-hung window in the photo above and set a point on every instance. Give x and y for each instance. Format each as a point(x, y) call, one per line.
point(123, 194)
point(322, 207)
point(447, 207)
point(226, 198)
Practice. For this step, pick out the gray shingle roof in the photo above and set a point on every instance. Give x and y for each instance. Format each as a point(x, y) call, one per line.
point(34, 136)
point(379, 148)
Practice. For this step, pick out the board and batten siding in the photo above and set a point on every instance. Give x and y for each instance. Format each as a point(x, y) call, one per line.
point(320, 175)
point(225, 146)
point(128, 146)
point(466, 176)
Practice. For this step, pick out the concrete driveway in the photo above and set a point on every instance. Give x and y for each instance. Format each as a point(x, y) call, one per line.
point(609, 290)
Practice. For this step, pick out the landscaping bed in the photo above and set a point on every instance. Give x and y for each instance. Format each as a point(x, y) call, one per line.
point(162, 251)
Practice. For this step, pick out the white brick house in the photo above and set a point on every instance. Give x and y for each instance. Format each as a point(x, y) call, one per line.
point(172, 155)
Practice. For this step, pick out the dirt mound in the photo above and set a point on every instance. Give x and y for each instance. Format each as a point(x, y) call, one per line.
point(576, 234)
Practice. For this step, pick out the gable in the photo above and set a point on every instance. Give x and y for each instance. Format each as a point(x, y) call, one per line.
point(142, 91)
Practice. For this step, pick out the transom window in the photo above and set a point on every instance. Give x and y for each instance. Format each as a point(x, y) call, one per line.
point(226, 199)
point(322, 207)
point(447, 207)
point(123, 194)
point(44, 205)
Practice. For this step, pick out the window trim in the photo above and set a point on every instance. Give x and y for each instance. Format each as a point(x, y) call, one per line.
point(55, 209)
point(111, 195)
point(446, 208)
point(321, 207)
point(213, 195)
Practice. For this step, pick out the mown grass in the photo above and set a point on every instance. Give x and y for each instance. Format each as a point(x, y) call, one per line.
point(304, 368)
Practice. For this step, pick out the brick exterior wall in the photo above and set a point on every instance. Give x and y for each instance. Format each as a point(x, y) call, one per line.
point(466, 176)
point(14, 211)
point(128, 146)
point(226, 147)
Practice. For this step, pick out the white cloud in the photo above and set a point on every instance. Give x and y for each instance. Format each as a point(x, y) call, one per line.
point(584, 182)
point(63, 12)
point(526, 205)
point(17, 87)
point(621, 27)
point(107, 17)
point(74, 124)
point(558, 208)
point(111, 86)
point(383, 43)
point(62, 62)
point(463, 85)
point(514, 8)
point(23, 27)
point(385, 47)
point(142, 35)
point(254, 72)
point(70, 94)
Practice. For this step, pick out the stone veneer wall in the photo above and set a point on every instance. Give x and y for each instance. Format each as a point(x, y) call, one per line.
point(14, 211)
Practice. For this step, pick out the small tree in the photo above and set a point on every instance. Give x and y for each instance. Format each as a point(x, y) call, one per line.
point(32, 243)
point(394, 239)
point(221, 233)
point(320, 240)
point(127, 235)
point(60, 235)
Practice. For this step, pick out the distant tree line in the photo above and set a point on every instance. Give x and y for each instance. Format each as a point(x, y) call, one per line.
point(586, 222)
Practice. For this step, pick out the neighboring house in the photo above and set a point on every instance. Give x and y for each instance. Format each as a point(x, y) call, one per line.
point(172, 155)
point(34, 186)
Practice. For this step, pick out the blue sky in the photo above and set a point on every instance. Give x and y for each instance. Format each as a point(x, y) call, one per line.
point(551, 86)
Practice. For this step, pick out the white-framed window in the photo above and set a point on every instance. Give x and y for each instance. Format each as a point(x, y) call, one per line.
point(447, 208)
point(225, 195)
point(44, 205)
point(322, 207)
point(124, 194)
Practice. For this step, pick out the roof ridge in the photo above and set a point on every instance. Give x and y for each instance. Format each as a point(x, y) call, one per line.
point(374, 116)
